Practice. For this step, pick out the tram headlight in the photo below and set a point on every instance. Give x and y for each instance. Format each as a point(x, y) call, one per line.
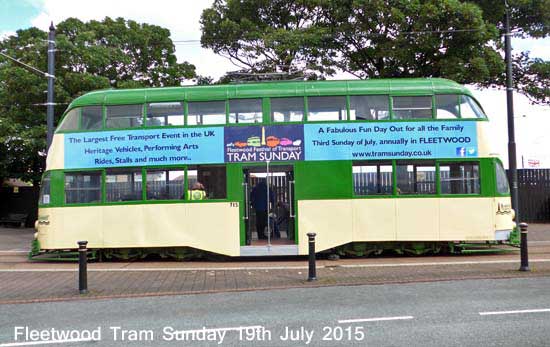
point(513, 214)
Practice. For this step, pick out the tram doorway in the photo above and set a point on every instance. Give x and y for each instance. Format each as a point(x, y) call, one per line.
point(270, 205)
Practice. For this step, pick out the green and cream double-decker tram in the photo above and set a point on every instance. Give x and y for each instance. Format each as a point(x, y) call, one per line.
point(399, 164)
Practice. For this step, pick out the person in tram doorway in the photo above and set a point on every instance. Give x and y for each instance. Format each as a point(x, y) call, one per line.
point(197, 192)
point(259, 201)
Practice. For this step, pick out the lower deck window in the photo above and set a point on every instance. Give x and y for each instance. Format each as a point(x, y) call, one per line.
point(211, 178)
point(372, 178)
point(123, 184)
point(416, 178)
point(459, 178)
point(82, 187)
point(165, 184)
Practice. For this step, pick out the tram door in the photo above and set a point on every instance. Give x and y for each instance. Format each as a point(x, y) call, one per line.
point(269, 219)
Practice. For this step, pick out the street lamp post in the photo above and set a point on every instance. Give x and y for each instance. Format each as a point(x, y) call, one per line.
point(50, 75)
point(512, 163)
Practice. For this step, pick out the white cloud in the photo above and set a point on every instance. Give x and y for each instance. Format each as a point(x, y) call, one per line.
point(180, 17)
point(531, 124)
point(6, 34)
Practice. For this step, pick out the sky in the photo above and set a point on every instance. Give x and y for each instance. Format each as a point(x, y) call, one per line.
point(181, 17)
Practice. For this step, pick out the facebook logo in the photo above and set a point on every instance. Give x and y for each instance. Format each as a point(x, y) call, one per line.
point(461, 151)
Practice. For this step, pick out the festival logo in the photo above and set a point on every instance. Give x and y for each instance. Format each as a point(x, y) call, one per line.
point(264, 143)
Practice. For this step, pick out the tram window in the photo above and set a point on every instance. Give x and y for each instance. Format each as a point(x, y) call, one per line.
point(213, 179)
point(416, 178)
point(326, 108)
point(92, 118)
point(412, 107)
point(165, 184)
point(165, 113)
point(44, 197)
point(369, 107)
point(459, 178)
point(123, 184)
point(245, 111)
point(82, 187)
point(206, 112)
point(287, 109)
point(124, 116)
point(502, 180)
point(469, 108)
point(446, 106)
point(70, 122)
point(372, 179)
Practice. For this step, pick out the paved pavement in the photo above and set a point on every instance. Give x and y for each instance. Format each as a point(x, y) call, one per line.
point(22, 281)
point(506, 312)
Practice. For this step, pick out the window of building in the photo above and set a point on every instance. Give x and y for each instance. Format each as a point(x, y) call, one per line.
point(44, 197)
point(369, 107)
point(70, 122)
point(124, 116)
point(412, 107)
point(326, 108)
point(206, 112)
point(447, 106)
point(92, 118)
point(416, 178)
point(372, 178)
point(245, 111)
point(212, 178)
point(165, 113)
point(502, 180)
point(123, 184)
point(459, 178)
point(287, 109)
point(469, 108)
point(165, 184)
point(82, 187)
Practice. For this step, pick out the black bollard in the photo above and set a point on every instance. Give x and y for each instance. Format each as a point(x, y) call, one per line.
point(83, 267)
point(312, 270)
point(523, 248)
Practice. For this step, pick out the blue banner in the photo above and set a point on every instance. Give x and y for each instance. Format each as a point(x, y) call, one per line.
point(390, 140)
point(264, 143)
point(144, 147)
point(209, 145)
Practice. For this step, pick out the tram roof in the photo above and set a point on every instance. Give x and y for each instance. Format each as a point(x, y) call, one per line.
point(397, 86)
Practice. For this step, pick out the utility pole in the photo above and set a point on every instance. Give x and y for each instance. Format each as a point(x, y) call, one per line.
point(512, 161)
point(51, 76)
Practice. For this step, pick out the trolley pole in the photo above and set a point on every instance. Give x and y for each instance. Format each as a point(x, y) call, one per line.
point(51, 76)
point(83, 267)
point(524, 253)
point(312, 276)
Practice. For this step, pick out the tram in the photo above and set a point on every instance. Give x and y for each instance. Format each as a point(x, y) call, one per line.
point(250, 169)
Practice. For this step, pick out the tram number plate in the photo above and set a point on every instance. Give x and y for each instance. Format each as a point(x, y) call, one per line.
point(234, 204)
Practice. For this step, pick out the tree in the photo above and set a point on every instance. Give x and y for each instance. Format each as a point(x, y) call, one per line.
point(460, 40)
point(93, 55)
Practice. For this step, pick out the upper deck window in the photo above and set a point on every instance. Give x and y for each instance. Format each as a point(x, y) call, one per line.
point(92, 118)
point(369, 107)
point(70, 122)
point(165, 113)
point(412, 107)
point(245, 111)
point(326, 108)
point(469, 108)
point(124, 116)
point(206, 112)
point(447, 106)
point(287, 109)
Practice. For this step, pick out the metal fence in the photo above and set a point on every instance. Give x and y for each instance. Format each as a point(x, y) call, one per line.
point(534, 195)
